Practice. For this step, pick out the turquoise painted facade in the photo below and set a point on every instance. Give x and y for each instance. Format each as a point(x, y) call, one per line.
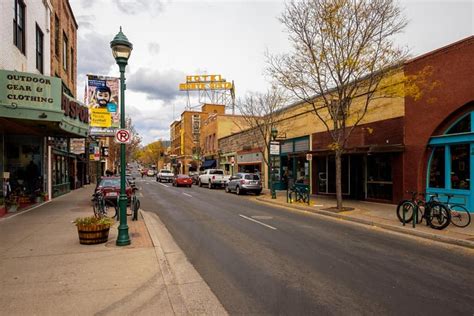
point(450, 166)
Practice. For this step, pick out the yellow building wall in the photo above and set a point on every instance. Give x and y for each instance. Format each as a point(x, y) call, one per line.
point(300, 120)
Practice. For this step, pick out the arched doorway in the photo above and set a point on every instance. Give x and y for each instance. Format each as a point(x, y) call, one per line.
point(451, 163)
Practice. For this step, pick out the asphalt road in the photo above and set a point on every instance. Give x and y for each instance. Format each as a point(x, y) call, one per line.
point(300, 264)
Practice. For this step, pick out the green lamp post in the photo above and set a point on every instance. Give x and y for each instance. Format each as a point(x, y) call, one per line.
point(121, 49)
point(273, 134)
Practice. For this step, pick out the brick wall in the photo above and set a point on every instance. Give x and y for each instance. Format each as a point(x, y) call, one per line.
point(453, 68)
point(68, 26)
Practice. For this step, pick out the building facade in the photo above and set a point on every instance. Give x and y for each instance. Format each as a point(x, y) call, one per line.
point(63, 48)
point(185, 135)
point(214, 127)
point(402, 144)
point(37, 119)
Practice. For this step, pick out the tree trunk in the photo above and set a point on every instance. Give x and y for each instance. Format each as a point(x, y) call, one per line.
point(338, 180)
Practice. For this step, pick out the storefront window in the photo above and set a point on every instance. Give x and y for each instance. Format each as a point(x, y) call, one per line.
point(379, 176)
point(437, 168)
point(460, 166)
point(462, 126)
point(326, 174)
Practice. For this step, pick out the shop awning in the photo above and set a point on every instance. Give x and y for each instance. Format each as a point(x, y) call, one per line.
point(209, 164)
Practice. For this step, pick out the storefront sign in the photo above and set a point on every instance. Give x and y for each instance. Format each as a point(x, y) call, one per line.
point(102, 132)
point(74, 110)
point(77, 146)
point(274, 148)
point(21, 89)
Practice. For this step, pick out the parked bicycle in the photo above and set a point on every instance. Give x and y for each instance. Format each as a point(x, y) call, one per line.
point(135, 206)
point(101, 207)
point(435, 213)
point(460, 216)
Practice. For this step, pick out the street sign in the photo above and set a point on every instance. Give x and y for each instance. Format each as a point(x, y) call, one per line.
point(123, 136)
point(275, 148)
point(309, 157)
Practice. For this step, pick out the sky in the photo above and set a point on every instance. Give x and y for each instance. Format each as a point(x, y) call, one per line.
point(174, 38)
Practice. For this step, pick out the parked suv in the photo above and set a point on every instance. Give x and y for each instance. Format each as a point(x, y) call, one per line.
point(244, 182)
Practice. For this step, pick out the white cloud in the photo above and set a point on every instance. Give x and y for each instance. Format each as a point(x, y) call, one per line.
point(155, 84)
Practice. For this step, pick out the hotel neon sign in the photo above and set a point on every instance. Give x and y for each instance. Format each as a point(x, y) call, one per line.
point(205, 82)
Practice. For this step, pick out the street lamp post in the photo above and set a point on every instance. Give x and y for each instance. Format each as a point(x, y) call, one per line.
point(273, 133)
point(121, 49)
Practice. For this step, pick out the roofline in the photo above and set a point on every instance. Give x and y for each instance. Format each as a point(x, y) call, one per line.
point(72, 14)
point(442, 49)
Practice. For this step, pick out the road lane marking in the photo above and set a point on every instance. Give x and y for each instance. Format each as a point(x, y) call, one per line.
point(258, 222)
point(163, 184)
point(187, 194)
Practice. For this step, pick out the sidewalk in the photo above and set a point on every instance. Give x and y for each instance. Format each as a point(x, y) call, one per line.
point(45, 271)
point(378, 215)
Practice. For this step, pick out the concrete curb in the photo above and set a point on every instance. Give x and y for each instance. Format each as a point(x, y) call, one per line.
point(398, 229)
point(187, 291)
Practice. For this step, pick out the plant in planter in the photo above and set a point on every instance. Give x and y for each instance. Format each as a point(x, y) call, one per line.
point(12, 204)
point(93, 230)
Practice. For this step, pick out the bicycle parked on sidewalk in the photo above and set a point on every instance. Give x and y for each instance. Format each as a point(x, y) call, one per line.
point(100, 206)
point(460, 216)
point(135, 206)
point(435, 213)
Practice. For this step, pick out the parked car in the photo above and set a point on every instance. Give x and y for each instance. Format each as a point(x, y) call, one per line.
point(244, 182)
point(110, 189)
point(194, 175)
point(165, 175)
point(182, 179)
point(212, 178)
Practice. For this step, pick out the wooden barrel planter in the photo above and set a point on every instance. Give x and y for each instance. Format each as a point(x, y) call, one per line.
point(93, 234)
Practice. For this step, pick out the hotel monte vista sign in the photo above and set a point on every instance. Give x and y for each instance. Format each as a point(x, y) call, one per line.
point(34, 97)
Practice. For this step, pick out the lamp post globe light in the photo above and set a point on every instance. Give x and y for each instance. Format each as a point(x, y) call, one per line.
point(273, 134)
point(121, 49)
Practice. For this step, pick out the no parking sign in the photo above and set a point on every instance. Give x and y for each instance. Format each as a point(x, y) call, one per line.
point(123, 136)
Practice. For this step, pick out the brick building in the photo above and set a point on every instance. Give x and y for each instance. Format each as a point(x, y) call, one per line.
point(64, 45)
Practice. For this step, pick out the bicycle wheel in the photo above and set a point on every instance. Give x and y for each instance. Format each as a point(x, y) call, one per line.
point(95, 207)
point(439, 216)
point(460, 216)
point(405, 207)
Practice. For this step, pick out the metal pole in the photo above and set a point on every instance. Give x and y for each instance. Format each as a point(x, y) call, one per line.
point(123, 238)
point(273, 178)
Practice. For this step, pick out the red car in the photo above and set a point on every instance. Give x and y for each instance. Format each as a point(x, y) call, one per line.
point(110, 189)
point(182, 179)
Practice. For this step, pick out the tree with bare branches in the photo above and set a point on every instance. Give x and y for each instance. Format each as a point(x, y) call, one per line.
point(261, 113)
point(343, 57)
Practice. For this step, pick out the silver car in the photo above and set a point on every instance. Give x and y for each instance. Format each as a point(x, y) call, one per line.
point(244, 182)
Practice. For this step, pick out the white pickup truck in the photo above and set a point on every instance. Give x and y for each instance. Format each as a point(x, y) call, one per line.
point(165, 175)
point(213, 178)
